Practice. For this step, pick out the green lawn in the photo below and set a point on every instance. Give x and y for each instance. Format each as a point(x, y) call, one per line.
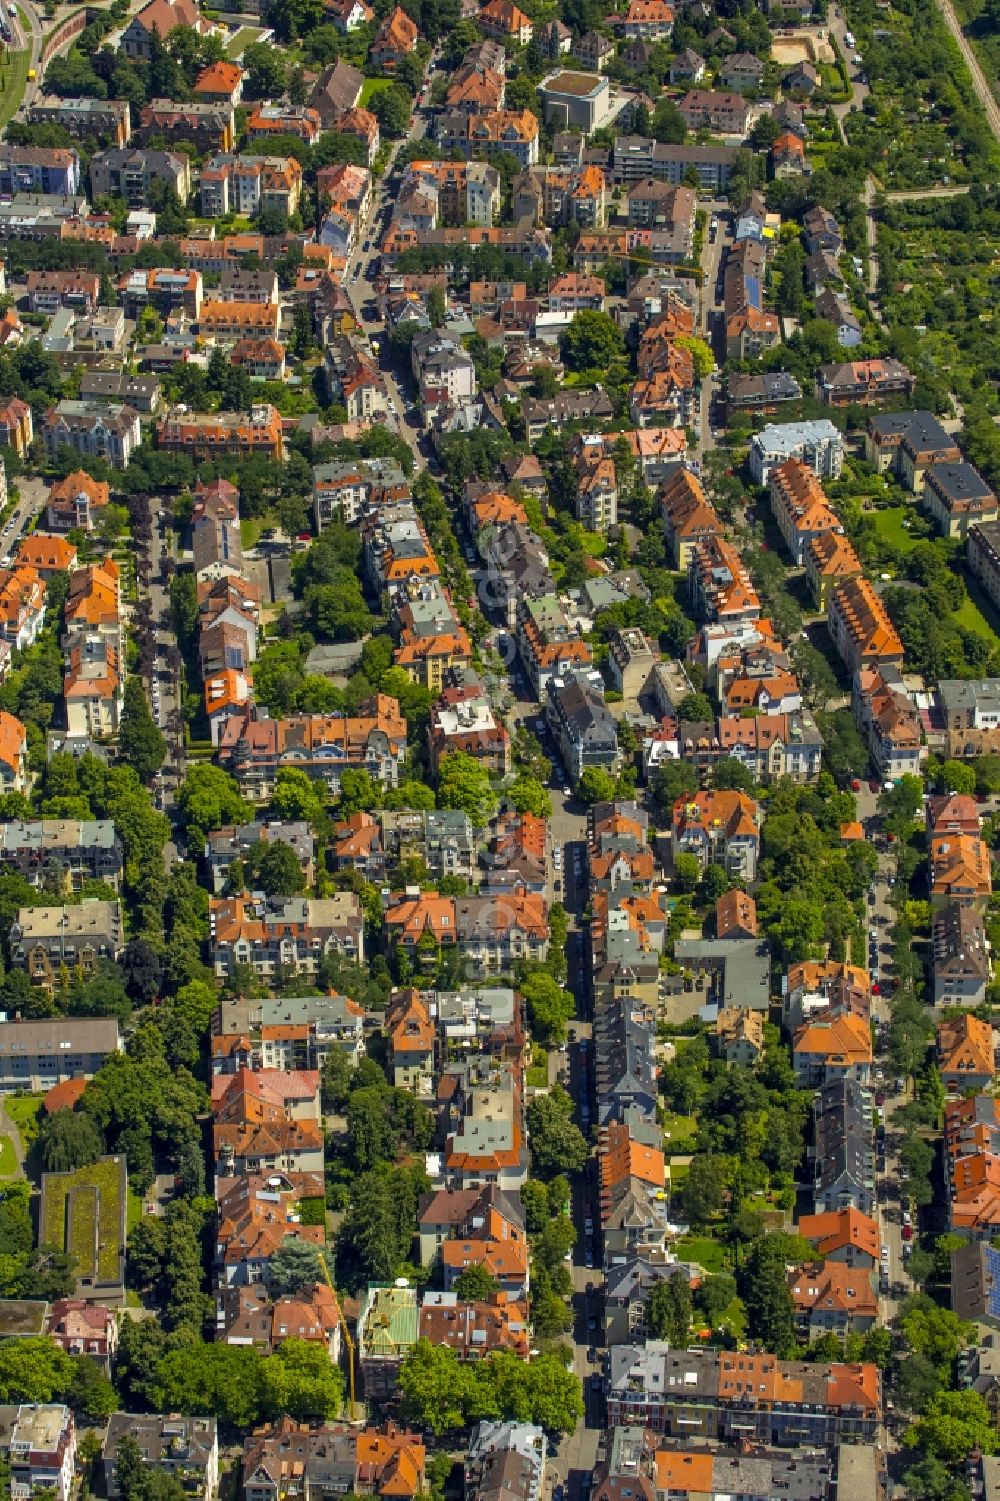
point(133, 1210)
point(8, 1160)
point(24, 1111)
point(701, 1248)
point(538, 1077)
point(889, 525)
point(251, 528)
point(13, 82)
point(243, 38)
point(678, 1128)
point(373, 86)
point(971, 618)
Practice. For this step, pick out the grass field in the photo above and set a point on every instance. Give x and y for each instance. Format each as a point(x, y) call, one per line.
point(13, 81)
point(8, 1160)
point(972, 619)
point(243, 38)
point(373, 86)
point(889, 525)
point(708, 1253)
point(133, 1210)
point(24, 1111)
point(678, 1128)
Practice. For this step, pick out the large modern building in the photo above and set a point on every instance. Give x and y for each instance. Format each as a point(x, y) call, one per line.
point(35, 1055)
point(580, 99)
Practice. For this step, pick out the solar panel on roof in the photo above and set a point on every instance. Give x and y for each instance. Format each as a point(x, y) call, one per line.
point(993, 1287)
point(752, 285)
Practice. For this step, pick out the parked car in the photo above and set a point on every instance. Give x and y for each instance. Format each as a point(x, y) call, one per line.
point(907, 1233)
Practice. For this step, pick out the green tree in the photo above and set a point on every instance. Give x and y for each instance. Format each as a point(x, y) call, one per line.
point(763, 1285)
point(953, 1424)
point(701, 1190)
point(704, 360)
point(549, 1006)
point(695, 707)
point(529, 795)
point(208, 799)
point(687, 871)
point(463, 782)
point(68, 1140)
point(670, 1309)
point(140, 743)
point(671, 780)
point(596, 786)
point(593, 341)
point(557, 1144)
point(91, 1394)
point(296, 796)
point(474, 1284)
point(296, 1263)
point(392, 108)
point(276, 869)
point(34, 1370)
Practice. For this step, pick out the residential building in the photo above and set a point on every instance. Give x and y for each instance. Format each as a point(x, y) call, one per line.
point(966, 1054)
point(293, 1034)
point(830, 560)
point(38, 1442)
point(960, 868)
point(983, 554)
point(160, 16)
point(505, 1460)
point(396, 39)
point(35, 1055)
point(208, 437)
point(831, 1047)
point(337, 92)
point(719, 110)
point(718, 828)
point(16, 426)
point(475, 1330)
point(972, 1166)
point(720, 584)
point(831, 1298)
point(269, 120)
point(958, 498)
point(741, 71)
point(234, 843)
point(210, 127)
point(631, 659)
point(909, 443)
point(583, 726)
point(93, 688)
point(843, 1148)
point(257, 1211)
point(739, 1036)
point(388, 1328)
point(505, 21)
point(494, 934)
point(320, 745)
point(863, 382)
point(22, 606)
point(84, 118)
point(689, 519)
point(961, 958)
point(94, 430)
point(547, 644)
point(861, 628)
point(220, 83)
point(44, 940)
point(703, 1393)
point(817, 443)
point(62, 850)
point(331, 1460)
point(889, 722)
point(39, 169)
point(82, 1328)
point(642, 156)
point(185, 1448)
point(129, 174)
point(736, 915)
point(444, 373)
point(50, 290)
point(276, 934)
point(843, 1235)
point(800, 508)
point(250, 185)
